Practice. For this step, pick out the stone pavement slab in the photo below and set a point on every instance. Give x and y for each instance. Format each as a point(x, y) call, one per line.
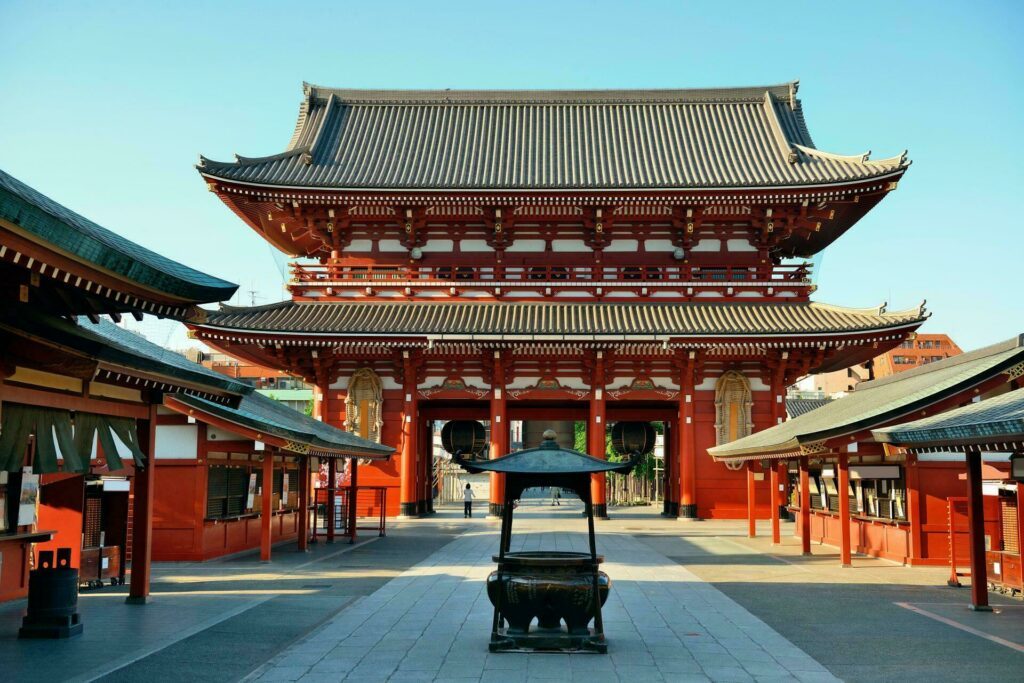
point(662, 622)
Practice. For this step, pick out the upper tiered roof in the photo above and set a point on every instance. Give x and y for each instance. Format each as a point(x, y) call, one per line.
point(552, 140)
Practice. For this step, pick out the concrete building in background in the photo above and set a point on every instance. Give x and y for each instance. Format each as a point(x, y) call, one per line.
point(911, 353)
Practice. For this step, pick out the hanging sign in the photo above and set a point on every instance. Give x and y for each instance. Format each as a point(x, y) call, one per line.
point(29, 497)
point(250, 496)
point(284, 492)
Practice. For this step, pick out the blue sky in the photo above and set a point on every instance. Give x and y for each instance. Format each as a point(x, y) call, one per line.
point(106, 107)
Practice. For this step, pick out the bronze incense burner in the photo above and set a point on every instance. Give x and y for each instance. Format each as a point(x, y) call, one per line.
point(546, 600)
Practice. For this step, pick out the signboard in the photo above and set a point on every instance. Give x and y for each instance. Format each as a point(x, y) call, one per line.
point(29, 497)
point(284, 491)
point(250, 496)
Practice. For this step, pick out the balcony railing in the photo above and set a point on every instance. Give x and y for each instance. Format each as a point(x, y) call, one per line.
point(317, 274)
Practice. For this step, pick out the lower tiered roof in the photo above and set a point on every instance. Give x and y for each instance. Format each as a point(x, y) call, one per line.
point(558, 321)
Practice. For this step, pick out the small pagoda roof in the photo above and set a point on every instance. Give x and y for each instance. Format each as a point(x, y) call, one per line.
point(877, 403)
point(993, 424)
point(472, 321)
point(90, 248)
point(715, 138)
point(266, 419)
point(547, 459)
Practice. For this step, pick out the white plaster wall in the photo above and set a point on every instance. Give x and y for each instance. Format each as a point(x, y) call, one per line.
point(708, 245)
point(623, 245)
point(438, 245)
point(177, 441)
point(360, 245)
point(567, 246)
point(474, 246)
point(739, 245)
point(526, 245)
point(390, 246)
point(659, 245)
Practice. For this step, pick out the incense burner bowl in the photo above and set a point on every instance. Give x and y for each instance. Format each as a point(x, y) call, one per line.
point(553, 587)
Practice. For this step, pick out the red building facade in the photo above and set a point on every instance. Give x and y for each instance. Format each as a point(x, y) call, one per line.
point(554, 255)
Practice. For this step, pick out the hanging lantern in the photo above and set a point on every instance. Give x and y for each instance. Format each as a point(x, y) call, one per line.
point(466, 437)
point(629, 438)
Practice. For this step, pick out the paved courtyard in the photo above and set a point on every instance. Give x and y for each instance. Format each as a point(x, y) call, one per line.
point(690, 601)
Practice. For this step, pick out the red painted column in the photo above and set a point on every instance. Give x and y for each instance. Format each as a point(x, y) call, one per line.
point(687, 441)
point(805, 506)
point(332, 482)
point(914, 508)
point(304, 503)
point(499, 433)
point(596, 442)
point(353, 499)
point(775, 504)
point(845, 551)
point(409, 496)
point(751, 502)
point(776, 481)
point(976, 521)
point(142, 513)
point(266, 511)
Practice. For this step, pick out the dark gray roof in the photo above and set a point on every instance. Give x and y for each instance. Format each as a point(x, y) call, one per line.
point(63, 230)
point(466, 320)
point(274, 418)
point(795, 407)
point(996, 421)
point(557, 139)
point(879, 402)
point(547, 459)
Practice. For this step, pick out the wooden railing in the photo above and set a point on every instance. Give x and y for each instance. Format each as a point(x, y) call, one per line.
point(317, 274)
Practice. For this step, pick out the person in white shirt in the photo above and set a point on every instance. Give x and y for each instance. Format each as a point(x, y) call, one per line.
point(467, 497)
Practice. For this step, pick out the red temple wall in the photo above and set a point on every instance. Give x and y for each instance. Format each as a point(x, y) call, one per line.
point(721, 492)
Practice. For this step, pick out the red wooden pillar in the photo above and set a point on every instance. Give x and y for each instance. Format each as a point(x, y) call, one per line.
point(914, 508)
point(775, 503)
point(805, 506)
point(777, 481)
point(142, 512)
point(687, 441)
point(266, 509)
point(845, 551)
point(329, 513)
point(353, 499)
point(596, 442)
point(499, 434)
point(751, 502)
point(304, 503)
point(976, 521)
point(409, 492)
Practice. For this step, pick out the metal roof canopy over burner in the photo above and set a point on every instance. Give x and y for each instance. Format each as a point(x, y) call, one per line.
point(552, 586)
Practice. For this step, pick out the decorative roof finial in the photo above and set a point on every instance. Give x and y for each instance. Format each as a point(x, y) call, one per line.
point(549, 435)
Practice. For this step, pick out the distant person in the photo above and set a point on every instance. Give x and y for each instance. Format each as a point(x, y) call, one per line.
point(556, 496)
point(467, 502)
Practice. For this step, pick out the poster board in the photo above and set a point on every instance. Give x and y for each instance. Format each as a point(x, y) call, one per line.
point(29, 497)
point(250, 496)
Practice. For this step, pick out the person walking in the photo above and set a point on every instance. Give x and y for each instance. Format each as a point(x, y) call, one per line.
point(467, 504)
point(556, 496)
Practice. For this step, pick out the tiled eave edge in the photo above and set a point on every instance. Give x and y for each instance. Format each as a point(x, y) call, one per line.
point(588, 197)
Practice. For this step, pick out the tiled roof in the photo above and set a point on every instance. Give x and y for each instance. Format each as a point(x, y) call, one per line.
point(995, 420)
point(795, 407)
point(467, 319)
point(63, 230)
point(557, 139)
point(274, 418)
point(878, 402)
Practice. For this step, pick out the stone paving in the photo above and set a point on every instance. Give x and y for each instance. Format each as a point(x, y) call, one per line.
point(432, 623)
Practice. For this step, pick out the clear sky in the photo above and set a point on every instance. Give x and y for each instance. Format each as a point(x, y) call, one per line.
point(105, 107)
